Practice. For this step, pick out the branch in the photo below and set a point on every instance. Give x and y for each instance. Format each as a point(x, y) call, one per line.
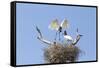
point(40, 37)
point(44, 41)
point(77, 39)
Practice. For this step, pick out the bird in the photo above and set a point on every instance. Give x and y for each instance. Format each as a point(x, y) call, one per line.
point(58, 27)
point(67, 38)
point(70, 40)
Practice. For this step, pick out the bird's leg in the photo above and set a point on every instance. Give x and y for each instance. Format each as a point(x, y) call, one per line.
point(60, 30)
point(55, 36)
point(59, 36)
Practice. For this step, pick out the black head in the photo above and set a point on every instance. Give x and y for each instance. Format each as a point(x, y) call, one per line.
point(60, 29)
point(65, 33)
point(54, 42)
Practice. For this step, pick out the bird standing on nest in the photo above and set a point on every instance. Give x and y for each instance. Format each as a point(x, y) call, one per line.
point(69, 40)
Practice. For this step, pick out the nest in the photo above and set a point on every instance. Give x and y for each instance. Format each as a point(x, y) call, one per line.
point(57, 53)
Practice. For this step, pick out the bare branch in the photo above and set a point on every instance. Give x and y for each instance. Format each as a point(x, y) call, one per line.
point(44, 41)
point(77, 39)
point(40, 37)
point(38, 30)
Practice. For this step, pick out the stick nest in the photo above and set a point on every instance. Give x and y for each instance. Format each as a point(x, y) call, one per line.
point(57, 53)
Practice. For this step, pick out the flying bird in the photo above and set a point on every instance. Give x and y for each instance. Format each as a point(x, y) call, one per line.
point(58, 27)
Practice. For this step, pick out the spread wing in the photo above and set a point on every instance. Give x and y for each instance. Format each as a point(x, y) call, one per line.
point(64, 24)
point(54, 25)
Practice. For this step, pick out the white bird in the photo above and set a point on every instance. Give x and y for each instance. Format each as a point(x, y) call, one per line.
point(68, 37)
point(58, 27)
point(70, 40)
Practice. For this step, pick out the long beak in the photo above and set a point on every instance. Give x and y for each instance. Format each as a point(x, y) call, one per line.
point(80, 35)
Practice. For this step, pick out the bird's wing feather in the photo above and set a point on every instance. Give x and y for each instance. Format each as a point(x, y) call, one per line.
point(54, 25)
point(64, 24)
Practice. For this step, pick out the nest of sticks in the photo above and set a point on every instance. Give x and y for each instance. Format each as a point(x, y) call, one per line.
point(57, 53)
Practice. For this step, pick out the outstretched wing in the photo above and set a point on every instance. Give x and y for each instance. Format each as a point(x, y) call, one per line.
point(54, 25)
point(64, 24)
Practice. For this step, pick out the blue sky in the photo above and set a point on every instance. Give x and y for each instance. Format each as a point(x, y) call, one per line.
point(30, 49)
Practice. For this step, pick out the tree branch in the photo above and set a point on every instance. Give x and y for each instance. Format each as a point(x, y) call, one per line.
point(40, 37)
point(44, 41)
point(77, 39)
